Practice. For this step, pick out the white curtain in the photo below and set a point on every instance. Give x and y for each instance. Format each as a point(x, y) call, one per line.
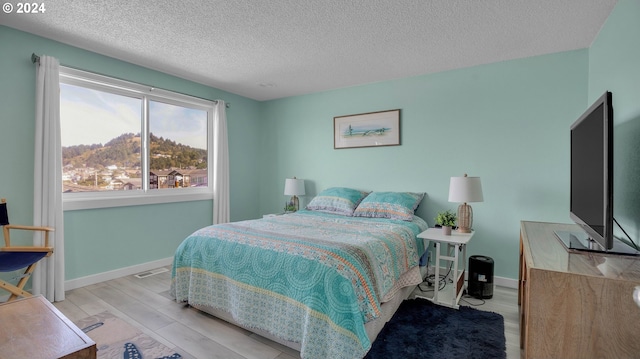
point(48, 278)
point(221, 211)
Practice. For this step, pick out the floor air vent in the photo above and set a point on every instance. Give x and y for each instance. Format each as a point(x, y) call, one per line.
point(150, 273)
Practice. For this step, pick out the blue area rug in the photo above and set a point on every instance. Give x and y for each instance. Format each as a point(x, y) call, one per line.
point(421, 329)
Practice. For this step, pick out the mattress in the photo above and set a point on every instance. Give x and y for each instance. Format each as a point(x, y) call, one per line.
point(310, 279)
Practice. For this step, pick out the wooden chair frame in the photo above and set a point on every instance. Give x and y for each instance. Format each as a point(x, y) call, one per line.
point(18, 289)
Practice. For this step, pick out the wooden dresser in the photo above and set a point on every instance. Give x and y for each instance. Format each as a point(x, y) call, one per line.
point(575, 304)
point(33, 328)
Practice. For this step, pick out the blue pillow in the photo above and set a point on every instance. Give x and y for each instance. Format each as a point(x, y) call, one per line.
point(392, 205)
point(338, 200)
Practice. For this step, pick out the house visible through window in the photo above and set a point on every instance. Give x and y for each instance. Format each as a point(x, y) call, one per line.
point(122, 140)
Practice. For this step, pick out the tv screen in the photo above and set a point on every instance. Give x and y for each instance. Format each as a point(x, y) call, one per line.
point(591, 204)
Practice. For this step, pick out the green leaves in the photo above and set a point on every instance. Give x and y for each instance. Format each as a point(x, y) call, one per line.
point(446, 219)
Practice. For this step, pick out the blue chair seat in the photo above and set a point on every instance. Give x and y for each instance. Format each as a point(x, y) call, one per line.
point(20, 258)
point(11, 261)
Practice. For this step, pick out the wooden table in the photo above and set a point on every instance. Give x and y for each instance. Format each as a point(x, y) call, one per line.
point(33, 328)
point(575, 304)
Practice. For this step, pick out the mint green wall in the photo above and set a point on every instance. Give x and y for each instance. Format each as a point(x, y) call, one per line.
point(506, 122)
point(614, 65)
point(106, 239)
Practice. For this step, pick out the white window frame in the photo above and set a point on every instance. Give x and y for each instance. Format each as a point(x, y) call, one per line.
point(145, 196)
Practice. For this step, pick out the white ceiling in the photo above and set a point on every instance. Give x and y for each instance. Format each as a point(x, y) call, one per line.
point(278, 48)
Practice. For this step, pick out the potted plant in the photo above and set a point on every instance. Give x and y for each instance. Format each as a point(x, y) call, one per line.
point(446, 220)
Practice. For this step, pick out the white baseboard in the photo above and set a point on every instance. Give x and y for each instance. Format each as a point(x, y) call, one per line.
point(117, 273)
point(505, 282)
point(122, 272)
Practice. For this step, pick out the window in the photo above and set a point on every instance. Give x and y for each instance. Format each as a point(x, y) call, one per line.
point(129, 144)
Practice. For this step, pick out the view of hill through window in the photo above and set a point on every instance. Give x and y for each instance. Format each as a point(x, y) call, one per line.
point(103, 142)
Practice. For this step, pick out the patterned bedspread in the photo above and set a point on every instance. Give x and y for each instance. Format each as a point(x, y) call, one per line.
point(309, 277)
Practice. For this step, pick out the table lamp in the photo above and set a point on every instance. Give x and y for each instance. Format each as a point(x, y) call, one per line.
point(294, 187)
point(463, 190)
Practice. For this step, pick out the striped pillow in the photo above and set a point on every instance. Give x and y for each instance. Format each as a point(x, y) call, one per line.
point(337, 200)
point(392, 205)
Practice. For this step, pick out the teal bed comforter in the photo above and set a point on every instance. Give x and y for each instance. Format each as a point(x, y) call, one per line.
point(309, 277)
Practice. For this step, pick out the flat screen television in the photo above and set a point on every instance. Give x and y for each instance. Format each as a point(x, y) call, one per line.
point(591, 181)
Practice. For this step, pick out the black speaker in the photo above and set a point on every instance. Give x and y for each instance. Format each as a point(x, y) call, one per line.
point(481, 277)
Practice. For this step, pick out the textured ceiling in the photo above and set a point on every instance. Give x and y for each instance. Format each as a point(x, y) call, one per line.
point(278, 48)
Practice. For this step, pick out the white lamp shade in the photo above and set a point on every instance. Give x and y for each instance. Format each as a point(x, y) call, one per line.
point(294, 187)
point(465, 189)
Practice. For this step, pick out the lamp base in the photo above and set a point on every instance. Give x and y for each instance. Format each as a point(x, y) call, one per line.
point(465, 218)
point(296, 202)
point(292, 206)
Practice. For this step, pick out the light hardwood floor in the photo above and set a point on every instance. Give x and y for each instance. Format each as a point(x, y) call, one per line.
point(146, 304)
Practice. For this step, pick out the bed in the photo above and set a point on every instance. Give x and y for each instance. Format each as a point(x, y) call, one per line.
point(322, 281)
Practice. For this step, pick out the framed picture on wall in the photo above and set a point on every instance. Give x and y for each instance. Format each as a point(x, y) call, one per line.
point(367, 129)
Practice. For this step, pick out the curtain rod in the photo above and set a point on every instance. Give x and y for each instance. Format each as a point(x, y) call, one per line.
point(36, 59)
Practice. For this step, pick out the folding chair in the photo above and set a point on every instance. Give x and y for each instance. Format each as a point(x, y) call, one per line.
point(13, 258)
